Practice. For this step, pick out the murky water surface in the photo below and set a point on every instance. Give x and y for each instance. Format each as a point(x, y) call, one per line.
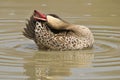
point(21, 60)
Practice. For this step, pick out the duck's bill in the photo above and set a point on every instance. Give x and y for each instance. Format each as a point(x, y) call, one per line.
point(39, 16)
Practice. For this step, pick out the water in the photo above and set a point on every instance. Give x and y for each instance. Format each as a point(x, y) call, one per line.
point(21, 60)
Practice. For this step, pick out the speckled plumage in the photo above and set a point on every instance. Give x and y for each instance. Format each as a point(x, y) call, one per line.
point(48, 37)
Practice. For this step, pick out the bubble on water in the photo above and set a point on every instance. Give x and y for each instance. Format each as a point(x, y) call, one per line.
point(113, 15)
point(43, 5)
point(89, 4)
point(87, 15)
point(11, 14)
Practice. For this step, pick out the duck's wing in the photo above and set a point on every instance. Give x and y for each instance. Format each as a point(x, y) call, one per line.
point(60, 41)
point(29, 30)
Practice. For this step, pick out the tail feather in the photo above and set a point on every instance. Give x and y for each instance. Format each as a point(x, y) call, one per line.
point(29, 30)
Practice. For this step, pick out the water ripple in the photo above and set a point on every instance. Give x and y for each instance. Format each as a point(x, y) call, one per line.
point(15, 51)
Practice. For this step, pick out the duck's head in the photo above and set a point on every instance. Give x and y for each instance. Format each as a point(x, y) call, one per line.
point(52, 20)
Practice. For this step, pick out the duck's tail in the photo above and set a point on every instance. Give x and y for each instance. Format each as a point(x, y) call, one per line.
point(29, 30)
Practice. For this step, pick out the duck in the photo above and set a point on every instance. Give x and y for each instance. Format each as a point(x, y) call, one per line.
point(50, 32)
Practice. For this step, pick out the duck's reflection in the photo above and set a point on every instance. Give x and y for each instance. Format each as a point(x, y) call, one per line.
point(57, 65)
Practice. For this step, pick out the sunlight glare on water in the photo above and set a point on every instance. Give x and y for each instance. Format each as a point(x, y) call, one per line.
point(21, 60)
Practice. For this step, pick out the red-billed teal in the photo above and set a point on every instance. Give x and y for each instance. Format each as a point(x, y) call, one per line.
point(51, 32)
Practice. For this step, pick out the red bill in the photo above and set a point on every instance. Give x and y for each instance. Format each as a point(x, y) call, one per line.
point(39, 16)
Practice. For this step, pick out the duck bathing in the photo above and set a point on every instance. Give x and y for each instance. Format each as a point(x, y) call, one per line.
point(50, 32)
